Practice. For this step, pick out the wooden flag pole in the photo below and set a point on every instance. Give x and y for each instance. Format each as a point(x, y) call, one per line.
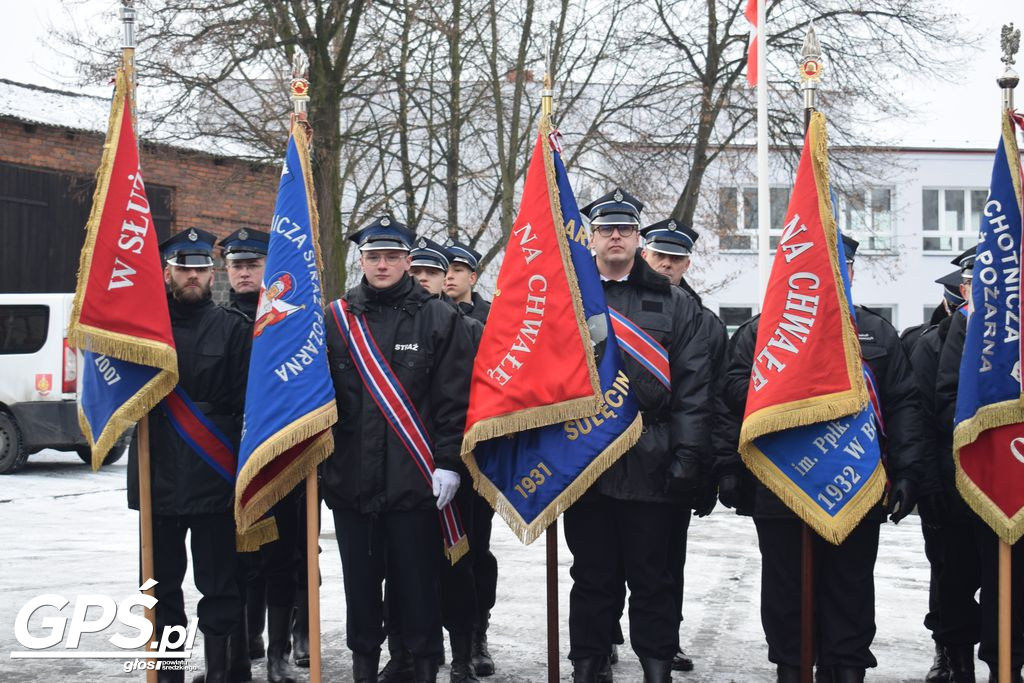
point(145, 488)
point(1009, 44)
point(313, 574)
point(551, 535)
point(810, 73)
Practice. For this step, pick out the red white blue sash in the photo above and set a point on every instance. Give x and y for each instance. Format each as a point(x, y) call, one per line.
point(201, 434)
point(388, 393)
point(644, 349)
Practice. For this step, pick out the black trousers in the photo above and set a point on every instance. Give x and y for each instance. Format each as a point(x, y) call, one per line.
point(279, 560)
point(677, 559)
point(213, 570)
point(485, 564)
point(612, 540)
point(959, 620)
point(844, 593)
point(988, 548)
point(401, 548)
point(935, 551)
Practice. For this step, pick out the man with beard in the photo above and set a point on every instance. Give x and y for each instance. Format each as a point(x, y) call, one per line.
point(621, 530)
point(269, 576)
point(188, 495)
point(392, 346)
point(667, 249)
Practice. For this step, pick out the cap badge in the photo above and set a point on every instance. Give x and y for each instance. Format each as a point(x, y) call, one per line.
point(192, 235)
point(618, 195)
point(385, 221)
point(422, 244)
point(243, 234)
point(672, 225)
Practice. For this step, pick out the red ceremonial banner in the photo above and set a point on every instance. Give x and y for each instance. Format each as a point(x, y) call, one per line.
point(535, 365)
point(124, 269)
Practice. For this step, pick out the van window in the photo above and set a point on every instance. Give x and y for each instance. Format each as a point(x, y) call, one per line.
point(23, 328)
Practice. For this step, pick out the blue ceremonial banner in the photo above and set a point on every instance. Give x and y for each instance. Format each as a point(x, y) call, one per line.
point(289, 400)
point(988, 437)
point(532, 476)
point(811, 432)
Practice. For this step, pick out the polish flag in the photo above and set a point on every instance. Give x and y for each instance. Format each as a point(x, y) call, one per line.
point(751, 15)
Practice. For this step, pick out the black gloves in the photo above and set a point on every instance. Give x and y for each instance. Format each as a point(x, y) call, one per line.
point(729, 491)
point(684, 475)
point(704, 501)
point(902, 498)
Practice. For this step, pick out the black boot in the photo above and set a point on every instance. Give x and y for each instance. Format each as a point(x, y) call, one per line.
point(279, 620)
point(682, 662)
point(239, 664)
point(656, 670)
point(849, 674)
point(364, 667)
point(584, 670)
point(300, 629)
point(939, 673)
point(784, 673)
point(604, 669)
point(215, 649)
point(256, 617)
point(399, 667)
point(961, 663)
point(462, 658)
point(424, 669)
point(483, 665)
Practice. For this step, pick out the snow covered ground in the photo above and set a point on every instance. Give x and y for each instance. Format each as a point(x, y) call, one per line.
point(68, 531)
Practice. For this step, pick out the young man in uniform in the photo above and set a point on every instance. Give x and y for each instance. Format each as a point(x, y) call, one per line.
point(188, 495)
point(245, 256)
point(393, 346)
point(621, 529)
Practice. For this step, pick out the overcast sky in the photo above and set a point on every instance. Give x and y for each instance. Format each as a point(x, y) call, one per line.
point(956, 109)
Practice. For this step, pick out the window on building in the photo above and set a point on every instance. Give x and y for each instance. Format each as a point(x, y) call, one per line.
point(23, 328)
point(951, 218)
point(734, 316)
point(865, 214)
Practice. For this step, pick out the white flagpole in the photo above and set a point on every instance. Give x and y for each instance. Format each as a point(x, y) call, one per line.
point(763, 196)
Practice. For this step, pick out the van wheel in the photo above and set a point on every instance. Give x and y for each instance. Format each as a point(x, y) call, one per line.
point(12, 449)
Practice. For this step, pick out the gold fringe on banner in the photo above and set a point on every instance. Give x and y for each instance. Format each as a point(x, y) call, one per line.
point(994, 415)
point(527, 532)
point(457, 551)
point(314, 424)
point(120, 346)
point(818, 409)
point(259, 534)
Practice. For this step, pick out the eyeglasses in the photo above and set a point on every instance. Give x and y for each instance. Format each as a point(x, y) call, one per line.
point(375, 258)
point(607, 230)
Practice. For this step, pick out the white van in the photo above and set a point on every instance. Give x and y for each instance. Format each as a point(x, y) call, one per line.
point(39, 380)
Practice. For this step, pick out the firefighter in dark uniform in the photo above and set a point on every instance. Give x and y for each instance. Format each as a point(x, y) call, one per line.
point(668, 246)
point(844, 588)
point(460, 285)
point(951, 300)
point(429, 267)
point(621, 529)
point(188, 495)
point(385, 512)
point(966, 570)
point(953, 614)
point(268, 575)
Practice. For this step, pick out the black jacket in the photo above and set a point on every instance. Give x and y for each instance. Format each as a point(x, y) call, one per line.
point(677, 424)
point(213, 345)
point(901, 410)
point(427, 344)
point(246, 303)
point(478, 310)
point(947, 378)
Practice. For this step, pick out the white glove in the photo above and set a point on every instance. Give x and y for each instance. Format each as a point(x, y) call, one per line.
point(446, 483)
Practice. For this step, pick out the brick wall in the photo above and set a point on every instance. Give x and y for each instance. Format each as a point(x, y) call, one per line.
point(214, 193)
